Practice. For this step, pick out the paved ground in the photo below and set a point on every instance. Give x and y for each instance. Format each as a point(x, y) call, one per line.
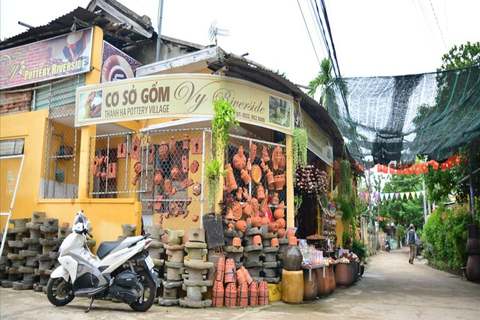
point(391, 288)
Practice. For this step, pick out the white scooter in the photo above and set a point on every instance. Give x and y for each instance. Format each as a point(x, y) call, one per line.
point(123, 270)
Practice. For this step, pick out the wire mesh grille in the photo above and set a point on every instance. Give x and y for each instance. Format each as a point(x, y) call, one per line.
point(60, 179)
point(9, 175)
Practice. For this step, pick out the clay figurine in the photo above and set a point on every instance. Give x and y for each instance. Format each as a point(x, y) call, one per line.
point(279, 182)
point(277, 156)
point(194, 166)
point(151, 153)
point(186, 142)
point(239, 160)
point(138, 170)
point(245, 176)
point(270, 180)
point(185, 163)
point(260, 193)
point(168, 186)
point(255, 207)
point(158, 176)
point(171, 145)
point(175, 173)
point(265, 156)
point(253, 151)
point(163, 151)
point(197, 189)
point(230, 178)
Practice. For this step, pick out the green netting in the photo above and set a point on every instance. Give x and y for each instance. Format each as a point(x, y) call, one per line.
point(385, 119)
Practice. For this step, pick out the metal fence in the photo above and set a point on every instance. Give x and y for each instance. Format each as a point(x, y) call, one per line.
point(60, 179)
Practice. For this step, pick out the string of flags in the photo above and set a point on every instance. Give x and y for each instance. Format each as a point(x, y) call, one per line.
point(419, 168)
point(388, 196)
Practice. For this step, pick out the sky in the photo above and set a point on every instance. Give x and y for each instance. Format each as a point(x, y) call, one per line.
point(371, 37)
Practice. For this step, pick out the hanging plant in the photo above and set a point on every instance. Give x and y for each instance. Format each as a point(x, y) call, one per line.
point(223, 119)
point(345, 178)
point(299, 146)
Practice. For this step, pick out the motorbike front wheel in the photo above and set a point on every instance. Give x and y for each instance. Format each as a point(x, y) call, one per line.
point(59, 291)
point(144, 302)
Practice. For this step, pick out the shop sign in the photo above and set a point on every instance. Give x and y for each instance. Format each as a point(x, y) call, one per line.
point(117, 65)
point(318, 141)
point(182, 95)
point(45, 60)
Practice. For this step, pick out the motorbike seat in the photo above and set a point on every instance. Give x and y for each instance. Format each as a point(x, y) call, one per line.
point(106, 247)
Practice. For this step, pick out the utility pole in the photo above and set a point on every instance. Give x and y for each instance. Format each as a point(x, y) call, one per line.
point(159, 36)
point(424, 202)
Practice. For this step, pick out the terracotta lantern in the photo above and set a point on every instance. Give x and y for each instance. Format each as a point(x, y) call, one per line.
point(270, 180)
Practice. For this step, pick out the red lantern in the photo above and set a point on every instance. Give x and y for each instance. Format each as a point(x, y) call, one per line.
point(456, 159)
point(392, 171)
point(418, 168)
point(450, 162)
point(379, 168)
point(434, 164)
point(385, 169)
point(444, 166)
point(411, 170)
point(400, 172)
point(424, 167)
point(405, 171)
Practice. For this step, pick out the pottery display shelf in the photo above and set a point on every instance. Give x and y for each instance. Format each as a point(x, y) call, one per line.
point(156, 249)
point(194, 282)
point(174, 268)
point(236, 251)
point(270, 264)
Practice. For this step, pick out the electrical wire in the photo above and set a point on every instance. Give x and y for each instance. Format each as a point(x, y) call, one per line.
point(309, 35)
point(438, 25)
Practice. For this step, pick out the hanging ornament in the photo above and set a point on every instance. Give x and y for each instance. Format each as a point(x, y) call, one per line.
point(450, 162)
point(379, 168)
point(418, 168)
point(444, 166)
point(424, 167)
point(411, 170)
point(385, 169)
point(456, 159)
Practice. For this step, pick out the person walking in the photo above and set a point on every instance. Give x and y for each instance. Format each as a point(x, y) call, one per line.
point(412, 242)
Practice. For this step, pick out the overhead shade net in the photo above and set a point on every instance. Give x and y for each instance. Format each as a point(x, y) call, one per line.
point(385, 119)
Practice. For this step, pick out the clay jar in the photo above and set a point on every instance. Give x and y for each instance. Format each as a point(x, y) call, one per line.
point(270, 180)
point(245, 176)
point(260, 193)
point(292, 256)
point(274, 242)
point(239, 160)
point(163, 151)
point(241, 225)
point(279, 182)
point(258, 240)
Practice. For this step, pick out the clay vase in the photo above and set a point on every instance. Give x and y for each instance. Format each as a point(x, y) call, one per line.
point(241, 225)
point(230, 178)
point(163, 151)
point(309, 286)
point(239, 160)
point(292, 256)
point(279, 182)
point(270, 180)
point(343, 275)
point(260, 193)
point(321, 282)
point(158, 177)
point(472, 269)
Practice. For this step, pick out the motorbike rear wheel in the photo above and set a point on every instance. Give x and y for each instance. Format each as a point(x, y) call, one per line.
point(144, 303)
point(59, 291)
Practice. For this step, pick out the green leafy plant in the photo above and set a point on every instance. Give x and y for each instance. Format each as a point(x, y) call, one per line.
point(223, 119)
point(345, 178)
point(359, 249)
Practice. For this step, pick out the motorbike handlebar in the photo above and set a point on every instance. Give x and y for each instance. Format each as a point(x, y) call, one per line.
point(88, 232)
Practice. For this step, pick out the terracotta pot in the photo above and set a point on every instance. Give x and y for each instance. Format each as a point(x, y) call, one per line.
point(331, 277)
point(265, 221)
point(241, 225)
point(280, 233)
point(239, 160)
point(163, 151)
point(231, 295)
point(290, 233)
point(321, 282)
point(472, 269)
point(263, 293)
point(253, 293)
point(257, 239)
point(310, 290)
point(260, 193)
point(273, 227)
point(270, 180)
point(343, 275)
point(220, 269)
point(274, 242)
point(229, 271)
point(279, 182)
point(242, 295)
point(237, 242)
point(240, 277)
point(218, 294)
